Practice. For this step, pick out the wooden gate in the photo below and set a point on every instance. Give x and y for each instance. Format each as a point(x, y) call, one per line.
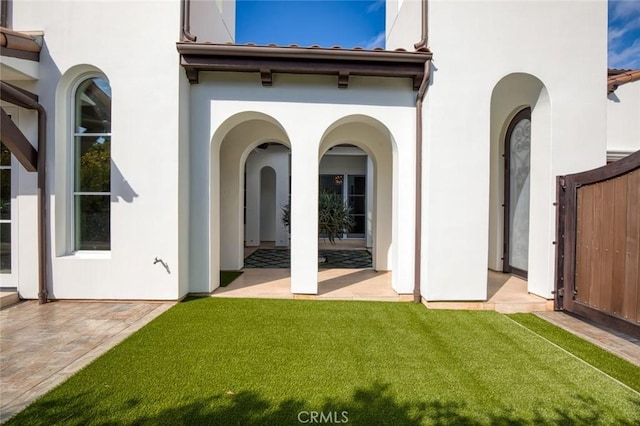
point(598, 245)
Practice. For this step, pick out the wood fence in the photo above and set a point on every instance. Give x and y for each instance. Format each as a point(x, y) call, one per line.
point(598, 244)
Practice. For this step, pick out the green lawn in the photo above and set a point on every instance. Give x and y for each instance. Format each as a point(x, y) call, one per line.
point(240, 361)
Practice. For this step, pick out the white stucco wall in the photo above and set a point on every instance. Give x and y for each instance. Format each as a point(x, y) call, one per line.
point(490, 59)
point(138, 58)
point(262, 225)
point(623, 119)
point(403, 23)
point(305, 108)
point(213, 20)
point(476, 44)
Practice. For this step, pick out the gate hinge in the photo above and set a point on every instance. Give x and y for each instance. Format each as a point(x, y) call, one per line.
point(563, 183)
point(560, 292)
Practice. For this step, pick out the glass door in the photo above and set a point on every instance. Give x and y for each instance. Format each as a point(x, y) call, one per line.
point(7, 218)
point(356, 186)
point(352, 189)
point(517, 182)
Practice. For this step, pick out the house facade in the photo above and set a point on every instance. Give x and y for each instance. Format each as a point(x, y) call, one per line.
point(169, 148)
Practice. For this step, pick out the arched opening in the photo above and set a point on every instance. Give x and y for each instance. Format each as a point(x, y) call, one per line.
point(346, 178)
point(232, 147)
point(267, 191)
point(520, 184)
point(357, 160)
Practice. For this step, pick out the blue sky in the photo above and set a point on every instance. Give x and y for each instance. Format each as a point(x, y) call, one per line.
point(347, 23)
point(351, 23)
point(624, 34)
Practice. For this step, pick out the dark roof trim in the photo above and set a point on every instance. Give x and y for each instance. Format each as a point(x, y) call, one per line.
point(19, 45)
point(17, 143)
point(266, 60)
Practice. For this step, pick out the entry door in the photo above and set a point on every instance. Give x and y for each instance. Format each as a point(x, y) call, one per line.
point(516, 197)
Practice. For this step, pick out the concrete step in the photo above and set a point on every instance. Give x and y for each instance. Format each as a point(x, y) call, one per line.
point(8, 298)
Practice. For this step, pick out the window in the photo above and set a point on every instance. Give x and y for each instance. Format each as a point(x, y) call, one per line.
point(351, 188)
point(92, 165)
point(5, 210)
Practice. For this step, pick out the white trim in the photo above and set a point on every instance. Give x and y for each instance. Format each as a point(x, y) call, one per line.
point(88, 254)
point(615, 155)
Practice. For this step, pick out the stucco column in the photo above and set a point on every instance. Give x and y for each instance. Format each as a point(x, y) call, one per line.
point(304, 218)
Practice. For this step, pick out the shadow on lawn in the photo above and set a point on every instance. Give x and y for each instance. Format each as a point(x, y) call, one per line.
point(374, 405)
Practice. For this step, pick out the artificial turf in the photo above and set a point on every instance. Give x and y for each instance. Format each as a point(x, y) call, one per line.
point(248, 361)
point(605, 361)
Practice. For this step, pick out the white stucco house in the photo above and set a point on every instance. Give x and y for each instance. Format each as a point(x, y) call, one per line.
point(159, 148)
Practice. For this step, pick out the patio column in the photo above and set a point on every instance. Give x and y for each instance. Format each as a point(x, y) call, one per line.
point(304, 218)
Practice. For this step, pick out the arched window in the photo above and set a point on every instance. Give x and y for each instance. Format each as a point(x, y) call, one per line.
point(92, 165)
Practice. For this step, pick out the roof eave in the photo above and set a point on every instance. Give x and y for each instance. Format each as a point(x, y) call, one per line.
point(266, 60)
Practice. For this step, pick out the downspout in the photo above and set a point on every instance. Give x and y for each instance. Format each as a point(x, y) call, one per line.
point(29, 103)
point(424, 85)
point(43, 294)
point(186, 22)
point(424, 37)
point(417, 298)
point(4, 13)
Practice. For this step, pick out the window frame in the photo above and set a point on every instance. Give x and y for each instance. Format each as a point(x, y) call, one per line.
point(10, 279)
point(72, 160)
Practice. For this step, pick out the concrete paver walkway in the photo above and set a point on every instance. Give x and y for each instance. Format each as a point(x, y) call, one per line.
point(42, 345)
point(626, 347)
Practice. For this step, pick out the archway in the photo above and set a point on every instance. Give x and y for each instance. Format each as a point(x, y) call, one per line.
point(232, 145)
point(373, 169)
point(519, 102)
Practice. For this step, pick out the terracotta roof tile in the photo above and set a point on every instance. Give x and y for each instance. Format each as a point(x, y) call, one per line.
point(14, 43)
point(619, 77)
point(317, 46)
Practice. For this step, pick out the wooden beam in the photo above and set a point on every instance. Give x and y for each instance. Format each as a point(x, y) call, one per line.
point(17, 143)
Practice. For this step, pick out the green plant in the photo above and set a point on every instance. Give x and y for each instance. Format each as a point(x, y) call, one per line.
point(334, 216)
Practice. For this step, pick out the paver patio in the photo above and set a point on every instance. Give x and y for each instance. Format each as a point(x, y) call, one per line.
point(42, 345)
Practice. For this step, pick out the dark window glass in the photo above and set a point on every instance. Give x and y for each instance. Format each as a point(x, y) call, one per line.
point(5, 209)
point(93, 107)
point(92, 214)
point(93, 164)
point(5, 194)
point(5, 156)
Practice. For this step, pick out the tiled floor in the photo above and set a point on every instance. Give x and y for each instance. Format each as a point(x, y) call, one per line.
point(507, 294)
point(281, 258)
point(42, 345)
point(333, 284)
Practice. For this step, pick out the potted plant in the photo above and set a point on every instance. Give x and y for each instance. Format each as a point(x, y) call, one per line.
point(334, 216)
